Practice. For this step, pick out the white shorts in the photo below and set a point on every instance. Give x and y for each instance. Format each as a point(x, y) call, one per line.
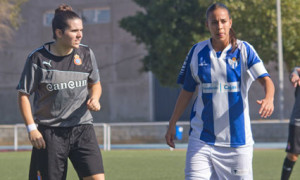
point(205, 161)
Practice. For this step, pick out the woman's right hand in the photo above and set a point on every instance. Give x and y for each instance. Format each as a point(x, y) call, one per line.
point(182, 102)
point(37, 139)
point(170, 136)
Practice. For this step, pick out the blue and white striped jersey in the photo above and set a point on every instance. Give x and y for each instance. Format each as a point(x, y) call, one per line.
point(220, 114)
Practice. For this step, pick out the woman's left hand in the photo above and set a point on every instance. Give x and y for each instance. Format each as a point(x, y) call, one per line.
point(266, 108)
point(267, 104)
point(93, 104)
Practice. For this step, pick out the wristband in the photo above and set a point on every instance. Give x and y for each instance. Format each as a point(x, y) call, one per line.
point(31, 127)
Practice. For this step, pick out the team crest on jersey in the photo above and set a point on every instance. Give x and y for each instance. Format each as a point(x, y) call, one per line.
point(233, 62)
point(77, 60)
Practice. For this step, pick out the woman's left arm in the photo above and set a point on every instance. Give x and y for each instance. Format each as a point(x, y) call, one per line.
point(95, 91)
point(267, 104)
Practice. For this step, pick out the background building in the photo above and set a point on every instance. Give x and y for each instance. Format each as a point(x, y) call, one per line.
point(129, 94)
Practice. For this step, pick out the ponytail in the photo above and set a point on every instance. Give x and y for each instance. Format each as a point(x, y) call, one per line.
point(232, 39)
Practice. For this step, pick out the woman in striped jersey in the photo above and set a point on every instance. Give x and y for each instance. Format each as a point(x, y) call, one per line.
point(221, 70)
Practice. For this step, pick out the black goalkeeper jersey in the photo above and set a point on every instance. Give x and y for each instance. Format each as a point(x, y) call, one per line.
point(295, 116)
point(60, 85)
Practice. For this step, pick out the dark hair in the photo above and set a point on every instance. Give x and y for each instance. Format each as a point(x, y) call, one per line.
point(232, 36)
point(62, 14)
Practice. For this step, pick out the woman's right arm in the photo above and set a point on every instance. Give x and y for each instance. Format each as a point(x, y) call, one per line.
point(182, 102)
point(35, 136)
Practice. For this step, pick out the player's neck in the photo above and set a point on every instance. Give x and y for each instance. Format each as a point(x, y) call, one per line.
point(60, 50)
point(219, 45)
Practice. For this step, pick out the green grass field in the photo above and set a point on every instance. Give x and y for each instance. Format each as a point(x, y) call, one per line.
point(147, 165)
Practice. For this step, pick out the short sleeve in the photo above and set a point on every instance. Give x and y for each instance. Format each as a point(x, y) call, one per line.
point(189, 83)
point(29, 79)
point(94, 76)
point(254, 63)
point(295, 71)
point(183, 70)
point(185, 76)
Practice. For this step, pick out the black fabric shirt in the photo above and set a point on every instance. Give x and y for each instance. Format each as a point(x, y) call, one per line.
point(60, 85)
point(295, 117)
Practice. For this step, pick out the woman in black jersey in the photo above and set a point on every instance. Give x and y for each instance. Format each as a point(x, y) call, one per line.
point(293, 143)
point(64, 78)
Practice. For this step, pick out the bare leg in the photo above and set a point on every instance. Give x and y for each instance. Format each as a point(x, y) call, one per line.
point(95, 177)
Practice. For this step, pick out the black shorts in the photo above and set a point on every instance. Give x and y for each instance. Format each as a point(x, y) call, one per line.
point(293, 145)
point(78, 143)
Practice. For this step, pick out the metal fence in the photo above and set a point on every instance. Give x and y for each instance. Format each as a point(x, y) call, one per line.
point(141, 133)
point(103, 132)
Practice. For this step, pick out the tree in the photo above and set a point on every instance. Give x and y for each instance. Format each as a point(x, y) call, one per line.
point(169, 28)
point(290, 32)
point(9, 18)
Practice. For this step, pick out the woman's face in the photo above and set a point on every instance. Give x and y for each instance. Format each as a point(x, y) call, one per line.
point(219, 24)
point(72, 35)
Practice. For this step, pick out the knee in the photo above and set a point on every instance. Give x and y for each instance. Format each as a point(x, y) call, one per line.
point(95, 177)
point(292, 157)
